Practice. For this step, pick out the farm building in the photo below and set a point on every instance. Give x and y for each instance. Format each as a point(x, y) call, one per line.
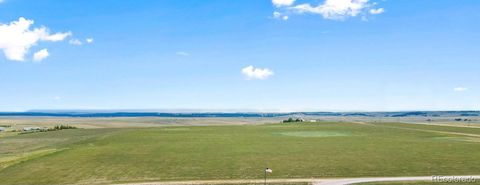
point(31, 128)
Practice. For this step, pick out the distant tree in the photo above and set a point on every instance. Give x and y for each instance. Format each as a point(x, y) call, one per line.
point(292, 120)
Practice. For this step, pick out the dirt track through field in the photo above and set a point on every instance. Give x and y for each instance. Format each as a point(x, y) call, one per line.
point(333, 181)
point(435, 131)
point(426, 130)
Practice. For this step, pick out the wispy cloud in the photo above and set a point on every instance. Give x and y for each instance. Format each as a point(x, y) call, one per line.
point(75, 42)
point(280, 3)
point(183, 53)
point(16, 38)
point(278, 15)
point(79, 42)
point(89, 40)
point(460, 89)
point(377, 11)
point(251, 73)
point(328, 9)
point(40, 55)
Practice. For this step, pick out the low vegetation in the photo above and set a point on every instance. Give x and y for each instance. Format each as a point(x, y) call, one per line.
point(61, 127)
point(462, 119)
point(292, 150)
point(291, 120)
point(44, 129)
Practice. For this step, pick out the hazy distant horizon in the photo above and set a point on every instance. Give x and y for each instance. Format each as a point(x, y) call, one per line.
point(215, 111)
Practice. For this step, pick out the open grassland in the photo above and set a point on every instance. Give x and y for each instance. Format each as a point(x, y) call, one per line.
point(127, 122)
point(142, 122)
point(296, 150)
point(18, 148)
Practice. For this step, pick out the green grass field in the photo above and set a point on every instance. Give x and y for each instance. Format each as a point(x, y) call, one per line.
point(305, 150)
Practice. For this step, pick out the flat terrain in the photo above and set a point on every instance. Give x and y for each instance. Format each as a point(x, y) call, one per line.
point(295, 150)
point(128, 122)
point(142, 122)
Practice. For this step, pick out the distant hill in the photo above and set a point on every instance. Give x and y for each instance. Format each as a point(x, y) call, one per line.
point(240, 114)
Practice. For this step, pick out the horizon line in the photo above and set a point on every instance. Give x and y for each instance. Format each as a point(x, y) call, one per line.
point(206, 111)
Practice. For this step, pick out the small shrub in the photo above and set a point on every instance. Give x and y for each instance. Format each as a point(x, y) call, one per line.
point(290, 120)
point(62, 127)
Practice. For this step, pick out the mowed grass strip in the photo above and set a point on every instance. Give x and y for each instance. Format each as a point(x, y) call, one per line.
point(242, 152)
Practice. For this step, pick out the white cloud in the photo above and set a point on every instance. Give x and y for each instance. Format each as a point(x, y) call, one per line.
point(329, 9)
point(40, 55)
point(89, 40)
point(79, 42)
point(57, 98)
point(256, 73)
point(377, 11)
point(279, 3)
point(16, 38)
point(278, 15)
point(183, 53)
point(75, 42)
point(460, 89)
point(334, 9)
point(55, 37)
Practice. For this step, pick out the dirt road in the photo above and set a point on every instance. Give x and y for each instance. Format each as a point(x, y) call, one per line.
point(336, 181)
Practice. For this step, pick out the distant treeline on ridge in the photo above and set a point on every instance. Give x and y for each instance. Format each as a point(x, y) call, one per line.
point(259, 114)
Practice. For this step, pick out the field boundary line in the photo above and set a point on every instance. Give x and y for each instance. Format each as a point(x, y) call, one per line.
point(433, 131)
point(314, 181)
point(233, 181)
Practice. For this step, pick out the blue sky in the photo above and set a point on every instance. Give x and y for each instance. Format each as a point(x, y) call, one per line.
point(281, 55)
